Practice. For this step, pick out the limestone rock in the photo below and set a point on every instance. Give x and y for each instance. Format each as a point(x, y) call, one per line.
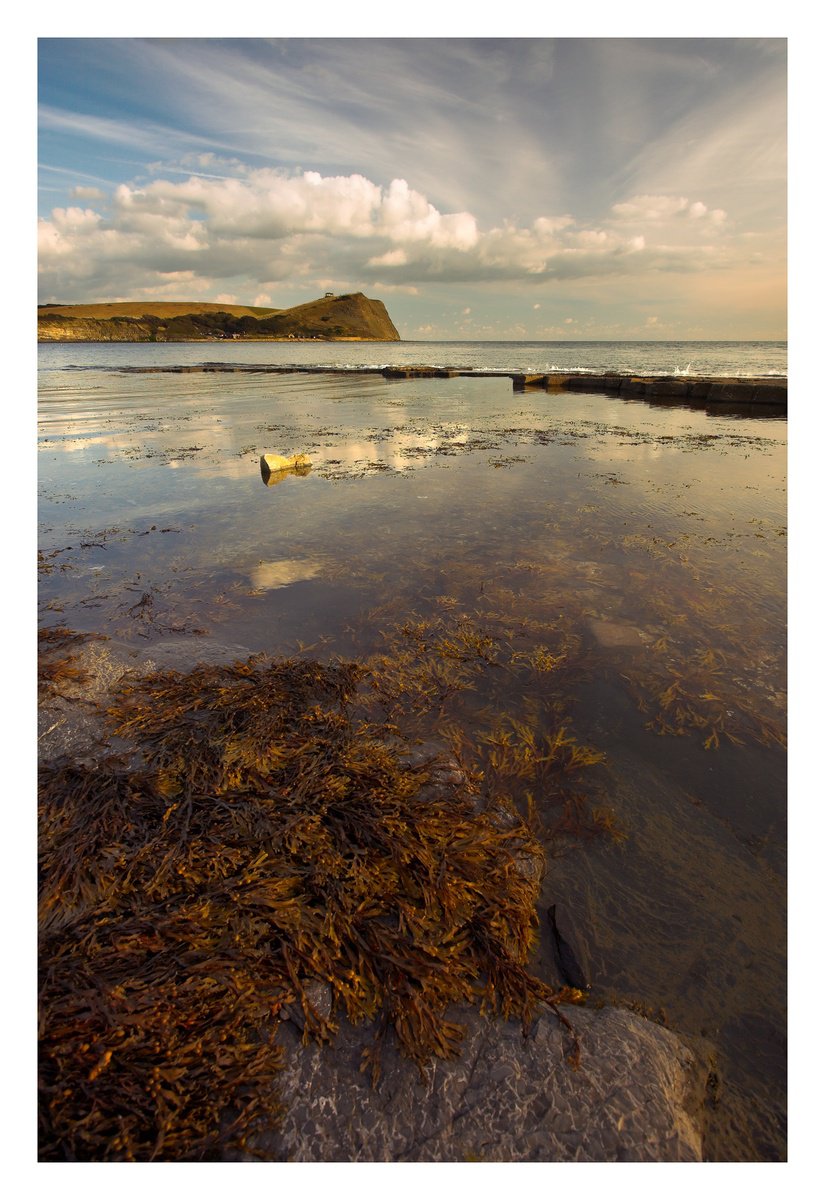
point(273, 464)
point(636, 1096)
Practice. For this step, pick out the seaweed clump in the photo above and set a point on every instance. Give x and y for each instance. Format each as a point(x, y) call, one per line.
point(266, 845)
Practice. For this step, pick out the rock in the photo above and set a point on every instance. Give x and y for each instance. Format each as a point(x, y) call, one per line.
point(419, 372)
point(318, 996)
point(633, 386)
point(181, 654)
point(614, 634)
point(273, 465)
point(636, 1096)
point(73, 723)
point(667, 386)
point(568, 955)
point(522, 382)
point(267, 576)
point(446, 773)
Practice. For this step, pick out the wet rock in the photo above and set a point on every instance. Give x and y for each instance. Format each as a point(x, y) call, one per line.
point(668, 387)
point(445, 770)
point(267, 576)
point(71, 723)
point(274, 464)
point(317, 1007)
point(636, 1095)
point(570, 961)
point(522, 382)
point(613, 634)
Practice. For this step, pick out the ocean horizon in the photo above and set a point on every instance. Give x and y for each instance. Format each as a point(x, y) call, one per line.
point(747, 359)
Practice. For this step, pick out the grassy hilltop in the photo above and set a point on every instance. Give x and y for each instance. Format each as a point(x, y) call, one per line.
point(351, 316)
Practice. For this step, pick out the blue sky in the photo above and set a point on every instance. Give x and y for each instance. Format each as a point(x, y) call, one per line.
point(516, 188)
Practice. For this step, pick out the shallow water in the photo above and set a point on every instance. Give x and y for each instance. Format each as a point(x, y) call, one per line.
point(641, 548)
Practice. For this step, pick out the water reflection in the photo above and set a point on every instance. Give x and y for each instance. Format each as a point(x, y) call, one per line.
point(626, 563)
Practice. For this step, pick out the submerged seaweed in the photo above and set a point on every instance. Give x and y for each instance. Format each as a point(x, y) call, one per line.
point(269, 844)
point(57, 662)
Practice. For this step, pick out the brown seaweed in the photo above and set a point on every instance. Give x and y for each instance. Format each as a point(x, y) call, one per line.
point(57, 662)
point(270, 843)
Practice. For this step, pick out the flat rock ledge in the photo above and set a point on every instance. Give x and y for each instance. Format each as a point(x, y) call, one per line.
point(636, 1096)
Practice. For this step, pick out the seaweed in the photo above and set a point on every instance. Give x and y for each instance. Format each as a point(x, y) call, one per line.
point(57, 665)
point(502, 710)
point(696, 691)
point(267, 842)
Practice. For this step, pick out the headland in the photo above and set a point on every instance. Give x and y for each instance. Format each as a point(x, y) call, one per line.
point(350, 317)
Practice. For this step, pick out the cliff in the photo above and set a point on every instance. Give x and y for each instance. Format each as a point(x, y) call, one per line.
point(351, 316)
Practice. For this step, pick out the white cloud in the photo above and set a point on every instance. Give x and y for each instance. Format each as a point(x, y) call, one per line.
point(650, 208)
point(660, 209)
point(247, 232)
point(392, 258)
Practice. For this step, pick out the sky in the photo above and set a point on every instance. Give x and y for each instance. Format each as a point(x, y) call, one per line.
point(565, 188)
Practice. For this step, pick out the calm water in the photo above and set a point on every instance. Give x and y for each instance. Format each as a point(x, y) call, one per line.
point(653, 358)
point(640, 549)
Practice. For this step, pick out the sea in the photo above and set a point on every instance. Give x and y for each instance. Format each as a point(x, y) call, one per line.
point(744, 359)
point(611, 568)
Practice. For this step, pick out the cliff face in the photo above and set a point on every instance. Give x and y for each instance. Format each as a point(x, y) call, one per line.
point(90, 329)
point(330, 318)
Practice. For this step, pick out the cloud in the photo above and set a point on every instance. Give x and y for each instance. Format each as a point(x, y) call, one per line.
point(392, 258)
point(87, 193)
point(248, 230)
point(659, 209)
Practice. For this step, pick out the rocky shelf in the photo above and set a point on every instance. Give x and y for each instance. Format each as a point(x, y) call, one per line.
point(757, 395)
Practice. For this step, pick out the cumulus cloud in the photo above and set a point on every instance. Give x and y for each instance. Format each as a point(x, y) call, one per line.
point(250, 230)
point(392, 258)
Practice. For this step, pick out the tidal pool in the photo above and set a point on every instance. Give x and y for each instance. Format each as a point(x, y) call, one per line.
point(561, 562)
